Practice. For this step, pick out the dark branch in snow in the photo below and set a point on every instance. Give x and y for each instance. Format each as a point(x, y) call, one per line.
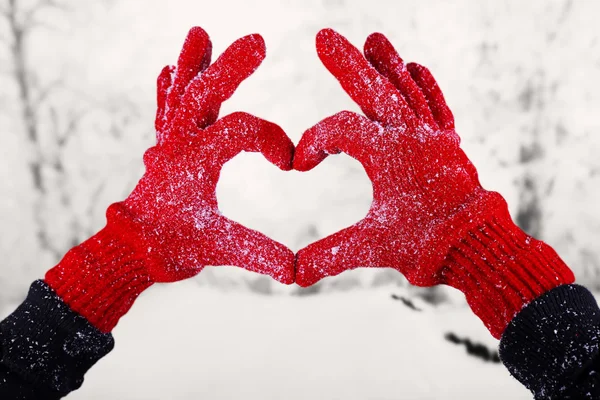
point(476, 350)
point(407, 302)
point(529, 214)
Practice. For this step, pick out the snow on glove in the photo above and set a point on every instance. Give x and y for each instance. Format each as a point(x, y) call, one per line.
point(430, 218)
point(170, 227)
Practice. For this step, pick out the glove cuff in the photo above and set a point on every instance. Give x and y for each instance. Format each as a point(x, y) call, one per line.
point(500, 269)
point(101, 278)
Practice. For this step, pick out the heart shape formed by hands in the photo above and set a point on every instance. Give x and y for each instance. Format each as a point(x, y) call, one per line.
point(292, 207)
point(430, 218)
point(406, 143)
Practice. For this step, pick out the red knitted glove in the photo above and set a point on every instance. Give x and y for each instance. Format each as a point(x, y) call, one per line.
point(430, 218)
point(170, 227)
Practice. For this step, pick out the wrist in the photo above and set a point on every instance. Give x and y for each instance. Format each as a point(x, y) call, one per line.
point(101, 278)
point(47, 345)
point(501, 269)
point(551, 345)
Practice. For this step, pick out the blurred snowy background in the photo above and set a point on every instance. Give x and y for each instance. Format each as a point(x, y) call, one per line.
point(77, 81)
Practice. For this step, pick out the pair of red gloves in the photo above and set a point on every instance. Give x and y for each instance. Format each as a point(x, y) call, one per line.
point(430, 218)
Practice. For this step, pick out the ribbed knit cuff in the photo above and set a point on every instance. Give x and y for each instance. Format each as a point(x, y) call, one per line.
point(500, 269)
point(101, 278)
point(551, 343)
point(48, 345)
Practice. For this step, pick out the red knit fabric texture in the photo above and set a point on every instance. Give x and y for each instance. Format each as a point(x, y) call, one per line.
point(430, 218)
point(501, 269)
point(101, 278)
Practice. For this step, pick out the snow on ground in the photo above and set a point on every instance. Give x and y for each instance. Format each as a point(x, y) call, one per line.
point(182, 342)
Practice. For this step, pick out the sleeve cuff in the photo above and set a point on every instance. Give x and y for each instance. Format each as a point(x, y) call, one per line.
point(48, 344)
point(553, 340)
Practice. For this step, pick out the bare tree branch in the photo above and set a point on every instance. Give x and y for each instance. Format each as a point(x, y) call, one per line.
point(46, 91)
point(71, 128)
point(29, 20)
point(62, 134)
point(32, 97)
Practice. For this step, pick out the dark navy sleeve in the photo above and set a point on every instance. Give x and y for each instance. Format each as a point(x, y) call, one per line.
point(46, 348)
point(552, 345)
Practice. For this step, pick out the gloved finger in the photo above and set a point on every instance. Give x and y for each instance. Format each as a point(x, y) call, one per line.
point(194, 58)
point(163, 83)
point(236, 245)
point(425, 80)
point(345, 131)
point(353, 247)
point(202, 100)
point(377, 97)
point(386, 60)
point(241, 131)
